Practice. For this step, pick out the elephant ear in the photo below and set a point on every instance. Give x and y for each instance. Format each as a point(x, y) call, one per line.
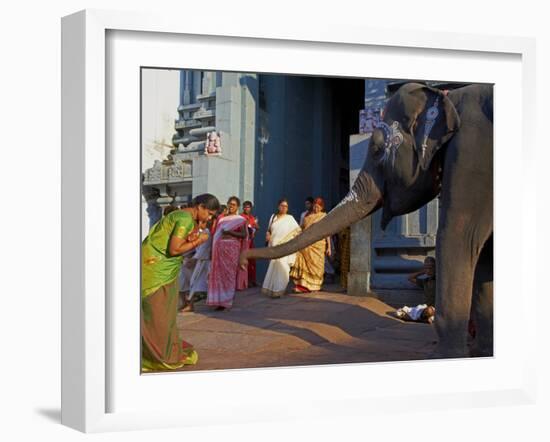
point(436, 123)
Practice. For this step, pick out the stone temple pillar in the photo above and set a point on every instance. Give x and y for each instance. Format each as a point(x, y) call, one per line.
point(232, 172)
point(153, 210)
point(360, 243)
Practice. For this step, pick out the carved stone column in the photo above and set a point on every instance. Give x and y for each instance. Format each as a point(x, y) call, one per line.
point(360, 243)
point(360, 258)
point(153, 209)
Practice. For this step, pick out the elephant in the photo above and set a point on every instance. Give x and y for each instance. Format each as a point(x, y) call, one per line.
point(431, 143)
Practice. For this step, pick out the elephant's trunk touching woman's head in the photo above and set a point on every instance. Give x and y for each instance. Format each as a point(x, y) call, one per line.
point(363, 199)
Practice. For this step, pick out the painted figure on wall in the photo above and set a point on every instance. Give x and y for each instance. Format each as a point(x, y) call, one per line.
point(213, 144)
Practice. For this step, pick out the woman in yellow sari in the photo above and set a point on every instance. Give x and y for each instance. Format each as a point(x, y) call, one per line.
point(161, 260)
point(309, 267)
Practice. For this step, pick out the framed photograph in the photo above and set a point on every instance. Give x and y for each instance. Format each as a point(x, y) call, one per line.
point(163, 124)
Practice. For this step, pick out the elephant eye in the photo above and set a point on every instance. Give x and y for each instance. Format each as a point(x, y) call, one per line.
point(378, 139)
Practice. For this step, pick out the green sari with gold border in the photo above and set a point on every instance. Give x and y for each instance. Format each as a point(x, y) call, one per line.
point(162, 348)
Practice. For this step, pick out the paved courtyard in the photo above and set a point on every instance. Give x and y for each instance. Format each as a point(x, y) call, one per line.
point(301, 329)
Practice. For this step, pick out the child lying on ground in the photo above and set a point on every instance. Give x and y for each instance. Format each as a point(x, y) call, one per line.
point(420, 313)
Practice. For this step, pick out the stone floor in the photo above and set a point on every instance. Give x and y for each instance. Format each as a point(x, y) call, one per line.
point(326, 327)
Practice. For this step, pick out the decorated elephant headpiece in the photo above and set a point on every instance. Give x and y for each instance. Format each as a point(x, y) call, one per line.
point(427, 114)
point(393, 138)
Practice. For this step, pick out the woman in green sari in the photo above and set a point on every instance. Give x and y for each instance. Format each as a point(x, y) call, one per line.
point(161, 260)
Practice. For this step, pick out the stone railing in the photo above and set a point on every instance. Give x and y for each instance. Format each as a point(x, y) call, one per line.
point(168, 173)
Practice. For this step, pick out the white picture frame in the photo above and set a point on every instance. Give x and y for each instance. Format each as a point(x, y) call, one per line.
point(86, 171)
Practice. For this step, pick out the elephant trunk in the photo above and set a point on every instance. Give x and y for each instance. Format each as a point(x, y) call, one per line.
point(363, 199)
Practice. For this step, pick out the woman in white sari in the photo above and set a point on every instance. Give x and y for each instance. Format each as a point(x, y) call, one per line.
point(282, 228)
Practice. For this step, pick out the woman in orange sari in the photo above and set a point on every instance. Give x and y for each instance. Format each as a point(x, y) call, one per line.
point(309, 267)
point(253, 226)
point(226, 276)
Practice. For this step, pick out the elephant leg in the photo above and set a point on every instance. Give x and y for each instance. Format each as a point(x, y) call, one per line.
point(482, 303)
point(459, 244)
point(453, 297)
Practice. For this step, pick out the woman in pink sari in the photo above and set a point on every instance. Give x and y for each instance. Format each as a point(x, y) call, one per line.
point(230, 239)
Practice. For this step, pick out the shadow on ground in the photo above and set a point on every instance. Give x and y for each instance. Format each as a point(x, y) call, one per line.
point(301, 329)
point(51, 414)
